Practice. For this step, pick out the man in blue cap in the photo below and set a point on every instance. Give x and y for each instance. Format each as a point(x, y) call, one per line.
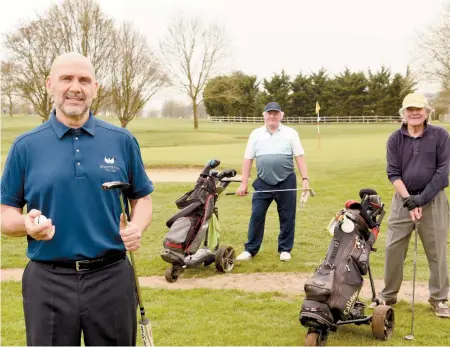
point(275, 148)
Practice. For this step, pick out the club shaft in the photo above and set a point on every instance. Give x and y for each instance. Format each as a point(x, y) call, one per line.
point(277, 190)
point(416, 232)
point(136, 279)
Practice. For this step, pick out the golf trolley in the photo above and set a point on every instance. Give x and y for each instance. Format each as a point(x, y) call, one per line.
point(332, 292)
point(194, 232)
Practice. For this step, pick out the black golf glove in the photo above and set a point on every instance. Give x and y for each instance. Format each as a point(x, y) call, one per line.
point(410, 202)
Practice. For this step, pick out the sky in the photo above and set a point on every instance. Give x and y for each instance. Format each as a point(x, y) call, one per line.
point(268, 36)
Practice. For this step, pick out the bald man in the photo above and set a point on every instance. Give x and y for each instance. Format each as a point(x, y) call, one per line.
point(78, 279)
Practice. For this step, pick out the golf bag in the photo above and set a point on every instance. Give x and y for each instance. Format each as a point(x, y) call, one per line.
point(195, 227)
point(332, 292)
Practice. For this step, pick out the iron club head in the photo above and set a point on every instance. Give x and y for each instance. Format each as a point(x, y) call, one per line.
point(409, 337)
point(115, 185)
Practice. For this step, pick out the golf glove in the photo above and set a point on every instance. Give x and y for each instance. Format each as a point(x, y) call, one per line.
point(304, 198)
point(410, 202)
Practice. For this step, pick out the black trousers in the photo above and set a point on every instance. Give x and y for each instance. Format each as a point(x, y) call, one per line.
point(61, 303)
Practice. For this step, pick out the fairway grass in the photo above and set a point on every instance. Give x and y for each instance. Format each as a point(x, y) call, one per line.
point(202, 317)
point(350, 157)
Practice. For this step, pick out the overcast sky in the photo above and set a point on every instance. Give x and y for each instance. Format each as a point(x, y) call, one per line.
point(267, 36)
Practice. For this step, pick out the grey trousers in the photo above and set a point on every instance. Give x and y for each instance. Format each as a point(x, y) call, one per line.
point(433, 232)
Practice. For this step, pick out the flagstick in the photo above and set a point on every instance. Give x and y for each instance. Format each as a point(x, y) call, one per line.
point(318, 128)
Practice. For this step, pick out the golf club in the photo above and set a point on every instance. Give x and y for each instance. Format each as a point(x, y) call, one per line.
point(313, 194)
point(146, 328)
point(411, 336)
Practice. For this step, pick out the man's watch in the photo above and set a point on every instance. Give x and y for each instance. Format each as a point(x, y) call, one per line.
point(305, 179)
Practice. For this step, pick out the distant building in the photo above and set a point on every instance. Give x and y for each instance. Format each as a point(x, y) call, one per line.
point(445, 118)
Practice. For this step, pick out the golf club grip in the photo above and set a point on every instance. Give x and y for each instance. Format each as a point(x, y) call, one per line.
point(122, 206)
point(230, 193)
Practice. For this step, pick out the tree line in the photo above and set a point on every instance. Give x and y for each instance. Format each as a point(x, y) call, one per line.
point(349, 93)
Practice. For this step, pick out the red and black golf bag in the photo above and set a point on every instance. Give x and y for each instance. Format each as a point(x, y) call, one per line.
point(332, 292)
point(195, 226)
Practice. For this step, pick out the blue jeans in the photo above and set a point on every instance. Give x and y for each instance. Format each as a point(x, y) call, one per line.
point(286, 206)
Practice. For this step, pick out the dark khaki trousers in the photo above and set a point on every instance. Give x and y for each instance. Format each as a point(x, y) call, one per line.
point(433, 233)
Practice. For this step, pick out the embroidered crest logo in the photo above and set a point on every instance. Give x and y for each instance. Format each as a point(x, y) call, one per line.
point(109, 167)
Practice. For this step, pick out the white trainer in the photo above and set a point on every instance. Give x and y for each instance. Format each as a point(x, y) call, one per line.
point(244, 256)
point(285, 256)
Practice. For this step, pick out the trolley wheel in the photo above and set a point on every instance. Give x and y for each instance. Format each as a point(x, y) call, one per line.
point(225, 259)
point(314, 339)
point(173, 273)
point(383, 322)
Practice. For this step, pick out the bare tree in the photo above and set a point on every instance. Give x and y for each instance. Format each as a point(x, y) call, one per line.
point(75, 25)
point(8, 84)
point(192, 52)
point(434, 50)
point(32, 51)
point(81, 26)
point(136, 74)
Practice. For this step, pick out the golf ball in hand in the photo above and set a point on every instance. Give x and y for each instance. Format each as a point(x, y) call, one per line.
point(40, 219)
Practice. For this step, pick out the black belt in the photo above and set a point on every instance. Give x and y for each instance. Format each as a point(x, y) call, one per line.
point(87, 264)
point(415, 192)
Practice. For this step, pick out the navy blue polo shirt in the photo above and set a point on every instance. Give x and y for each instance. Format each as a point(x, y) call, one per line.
point(60, 171)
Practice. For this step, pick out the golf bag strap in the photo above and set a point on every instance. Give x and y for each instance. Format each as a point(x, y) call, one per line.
point(333, 252)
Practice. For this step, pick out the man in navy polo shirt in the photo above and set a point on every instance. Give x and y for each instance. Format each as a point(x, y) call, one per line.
point(78, 279)
point(275, 146)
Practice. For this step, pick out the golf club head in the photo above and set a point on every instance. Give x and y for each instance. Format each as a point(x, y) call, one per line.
point(311, 192)
point(115, 185)
point(409, 337)
point(213, 163)
point(367, 191)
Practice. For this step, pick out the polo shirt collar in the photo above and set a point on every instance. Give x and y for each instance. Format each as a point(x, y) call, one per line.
point(61, 129)
point(278, 129)
point(404, 129)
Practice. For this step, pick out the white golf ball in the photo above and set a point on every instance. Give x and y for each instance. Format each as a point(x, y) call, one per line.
point(40, 219)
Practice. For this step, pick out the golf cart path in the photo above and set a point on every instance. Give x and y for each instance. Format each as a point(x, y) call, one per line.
point(287, 283)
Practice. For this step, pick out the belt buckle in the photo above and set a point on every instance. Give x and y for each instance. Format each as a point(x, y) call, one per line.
point(77, 265)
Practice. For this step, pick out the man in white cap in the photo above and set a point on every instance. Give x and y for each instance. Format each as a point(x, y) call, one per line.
point(418, 166)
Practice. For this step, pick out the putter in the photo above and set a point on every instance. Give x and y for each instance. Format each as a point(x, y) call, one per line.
point(411, 336)
point(311, 191)
point(146, 327)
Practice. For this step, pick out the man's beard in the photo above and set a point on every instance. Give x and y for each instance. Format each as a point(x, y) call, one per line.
point(75, 112)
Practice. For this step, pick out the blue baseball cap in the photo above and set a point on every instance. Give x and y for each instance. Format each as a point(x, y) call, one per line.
point(272, 106)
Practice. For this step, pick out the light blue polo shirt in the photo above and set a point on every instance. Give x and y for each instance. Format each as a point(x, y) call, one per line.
point(60, 171)
point(274, 153)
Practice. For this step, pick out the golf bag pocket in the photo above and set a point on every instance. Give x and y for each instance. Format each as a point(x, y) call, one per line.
point(353, 275)
point(360, 255)
point(181, 233)
point(319, 286)
point(347, 288)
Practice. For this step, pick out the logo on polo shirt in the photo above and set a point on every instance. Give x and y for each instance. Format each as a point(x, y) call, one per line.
point(110, 167)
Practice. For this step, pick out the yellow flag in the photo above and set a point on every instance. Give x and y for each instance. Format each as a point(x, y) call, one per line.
point(317, 107)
